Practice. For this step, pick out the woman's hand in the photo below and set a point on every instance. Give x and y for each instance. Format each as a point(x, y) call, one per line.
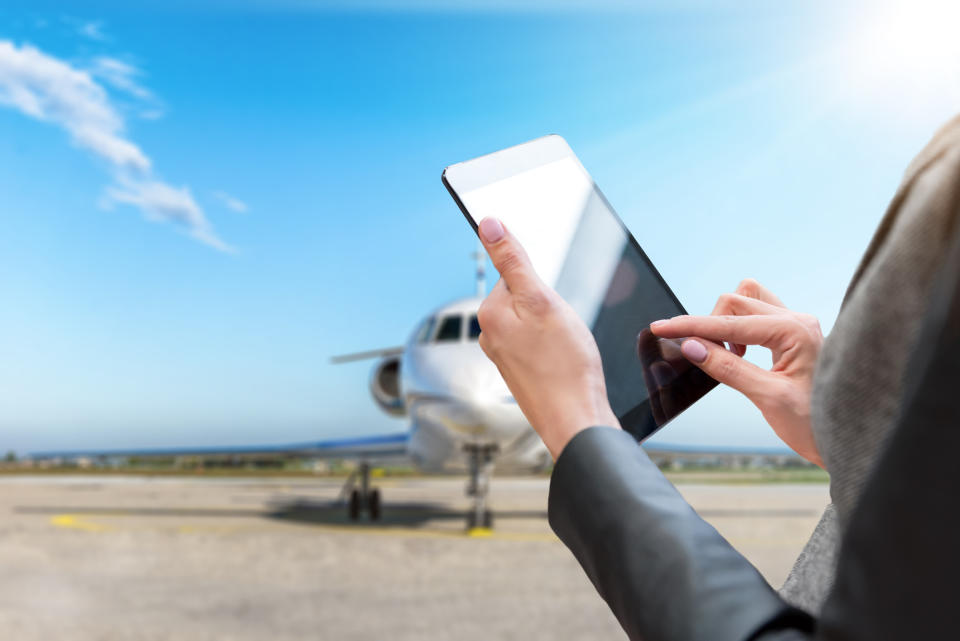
point(544, 352)
point(754, 316)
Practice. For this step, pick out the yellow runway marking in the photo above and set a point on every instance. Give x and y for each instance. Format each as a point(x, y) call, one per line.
point(494, 535)
point(71, 522)
point(374, 530)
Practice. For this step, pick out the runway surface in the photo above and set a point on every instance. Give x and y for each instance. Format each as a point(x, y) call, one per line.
point(137, 558)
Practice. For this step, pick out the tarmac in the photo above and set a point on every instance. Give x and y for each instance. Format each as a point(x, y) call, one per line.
point(141, 558)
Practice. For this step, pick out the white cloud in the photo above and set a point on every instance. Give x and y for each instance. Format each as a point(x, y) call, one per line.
point(233, 203)
point(50, 90)
point(120, 75)
point(164, 203)
point(92, 29)
point(123, 77)
point(116, 149)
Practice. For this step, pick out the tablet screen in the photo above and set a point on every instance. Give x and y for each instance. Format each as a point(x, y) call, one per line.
point(579, 246)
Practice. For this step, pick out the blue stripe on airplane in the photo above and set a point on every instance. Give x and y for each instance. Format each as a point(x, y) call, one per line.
point(384, 439)
point(361, 441)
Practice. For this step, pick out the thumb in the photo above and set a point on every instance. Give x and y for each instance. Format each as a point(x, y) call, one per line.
point(508, 256)
point(726, 367)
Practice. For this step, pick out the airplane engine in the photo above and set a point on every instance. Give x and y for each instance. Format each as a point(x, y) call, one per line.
point(385, 387)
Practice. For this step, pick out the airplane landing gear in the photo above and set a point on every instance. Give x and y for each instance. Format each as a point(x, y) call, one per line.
point(362, 498)
point(480, 458)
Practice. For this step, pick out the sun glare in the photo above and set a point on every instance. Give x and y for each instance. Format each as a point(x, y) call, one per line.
point(909, 46)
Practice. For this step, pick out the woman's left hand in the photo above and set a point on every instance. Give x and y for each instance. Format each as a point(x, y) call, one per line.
point(544, 351)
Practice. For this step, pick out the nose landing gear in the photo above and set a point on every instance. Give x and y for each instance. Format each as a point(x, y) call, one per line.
point(480, 459)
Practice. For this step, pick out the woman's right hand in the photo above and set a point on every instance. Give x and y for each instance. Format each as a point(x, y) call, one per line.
point(754, 316)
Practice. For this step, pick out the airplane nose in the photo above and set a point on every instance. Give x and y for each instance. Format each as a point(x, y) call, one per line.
point(479, 386)
point(476, 401)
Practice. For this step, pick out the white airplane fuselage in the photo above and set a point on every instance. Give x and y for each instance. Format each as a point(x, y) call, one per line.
point(454, 396)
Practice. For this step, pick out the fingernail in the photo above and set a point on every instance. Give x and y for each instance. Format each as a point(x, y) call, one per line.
point(491, 231)
point(694, 350)
point(659, 323)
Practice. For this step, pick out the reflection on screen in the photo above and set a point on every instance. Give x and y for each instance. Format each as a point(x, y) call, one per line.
point(578, 246)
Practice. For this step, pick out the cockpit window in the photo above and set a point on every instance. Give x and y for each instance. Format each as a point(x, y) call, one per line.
point(450, 329)
point(474, 329)
point(426, 329)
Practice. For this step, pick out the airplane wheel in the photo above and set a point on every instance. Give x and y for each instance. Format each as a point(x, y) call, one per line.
point(485, 520)
point(373, 504)
point(353, 509)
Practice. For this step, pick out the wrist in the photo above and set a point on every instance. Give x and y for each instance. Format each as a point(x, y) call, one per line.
point(564, 430)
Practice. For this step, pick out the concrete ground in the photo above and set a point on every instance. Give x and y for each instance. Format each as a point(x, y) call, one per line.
point(102, 558)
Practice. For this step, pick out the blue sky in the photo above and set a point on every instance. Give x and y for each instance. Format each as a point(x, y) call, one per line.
point(211, 199)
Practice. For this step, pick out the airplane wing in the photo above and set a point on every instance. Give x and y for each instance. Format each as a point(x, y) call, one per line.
point(379, 448)
point(361, 356)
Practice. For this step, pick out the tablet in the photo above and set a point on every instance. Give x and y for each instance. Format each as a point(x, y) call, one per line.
point(580, 247)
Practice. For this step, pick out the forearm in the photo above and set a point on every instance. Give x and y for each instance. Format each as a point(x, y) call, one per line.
point(666, 574)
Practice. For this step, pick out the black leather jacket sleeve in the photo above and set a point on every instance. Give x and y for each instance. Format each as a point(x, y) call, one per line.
point(665, 572)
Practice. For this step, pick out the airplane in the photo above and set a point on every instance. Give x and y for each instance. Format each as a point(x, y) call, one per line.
point(461, 415)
